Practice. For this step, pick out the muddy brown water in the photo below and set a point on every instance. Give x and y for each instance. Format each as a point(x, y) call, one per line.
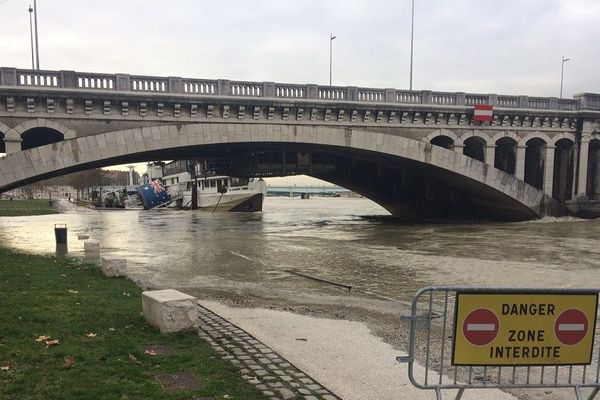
point(245, 259)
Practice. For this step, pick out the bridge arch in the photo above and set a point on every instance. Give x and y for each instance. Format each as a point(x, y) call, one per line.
point(564, 166)
point(505, 157)
point(442, 137)
point(3, 132)
point(406, 176)
point(39, 131)
point(533, 135)
point(564, 135)
point(475, 144)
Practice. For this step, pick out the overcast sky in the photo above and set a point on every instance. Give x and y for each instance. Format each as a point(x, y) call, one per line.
point(482, 46)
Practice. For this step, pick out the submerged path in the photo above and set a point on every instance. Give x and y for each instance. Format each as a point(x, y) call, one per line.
point(258, 363)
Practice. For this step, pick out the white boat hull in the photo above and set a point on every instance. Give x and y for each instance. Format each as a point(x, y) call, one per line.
point(243, 198)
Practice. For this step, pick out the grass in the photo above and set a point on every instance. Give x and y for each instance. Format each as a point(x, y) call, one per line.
point(67, 299)
point(16, 208)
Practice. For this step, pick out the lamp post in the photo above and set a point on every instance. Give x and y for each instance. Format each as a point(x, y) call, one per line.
point(412, 36)
point(37, 49)
point(331, 37)
point(562, 72)
point(31, 36)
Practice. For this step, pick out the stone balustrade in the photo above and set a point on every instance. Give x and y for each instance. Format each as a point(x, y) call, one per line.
point(11, 77)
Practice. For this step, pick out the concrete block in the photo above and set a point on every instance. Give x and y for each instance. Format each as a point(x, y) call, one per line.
point(82, 236)
point(91, 246)
point(114, 266)
point(170, 310)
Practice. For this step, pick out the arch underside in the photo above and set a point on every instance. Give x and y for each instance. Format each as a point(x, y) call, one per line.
point(410, 186)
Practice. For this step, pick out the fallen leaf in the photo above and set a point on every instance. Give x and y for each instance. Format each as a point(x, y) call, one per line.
point(63, 275)
point(150, 352)
point(129, 326)
point(91, 335)
point(42, 338)
point(69, 361)
point(132, 357)
point(73, 291)
point(5, 368)
point(50, 343)
point(77, 304)
point(111, 329)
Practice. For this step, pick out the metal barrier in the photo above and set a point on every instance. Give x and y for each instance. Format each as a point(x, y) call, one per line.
point(433, 321)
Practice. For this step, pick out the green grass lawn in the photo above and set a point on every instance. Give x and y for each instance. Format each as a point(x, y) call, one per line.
point(67, 300)
point(25, 207)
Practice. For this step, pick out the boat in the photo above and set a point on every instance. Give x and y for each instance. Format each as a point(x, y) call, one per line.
point(213, 192)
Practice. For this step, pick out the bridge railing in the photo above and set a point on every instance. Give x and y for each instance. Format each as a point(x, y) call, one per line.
point(95, 81)
point(222, 87)
point(38, 78)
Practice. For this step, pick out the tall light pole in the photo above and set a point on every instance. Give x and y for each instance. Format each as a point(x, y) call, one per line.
point(331, 37)
point(37, 49)
point(412, 37)
point(562, 73)
point(31, 36)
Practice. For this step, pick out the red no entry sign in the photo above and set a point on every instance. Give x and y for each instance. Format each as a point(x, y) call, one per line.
point(481, 326)
point(571, 326)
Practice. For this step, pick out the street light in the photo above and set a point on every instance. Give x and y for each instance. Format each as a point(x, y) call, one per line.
point(562, 72)
point(37, 50)
point(412, 35)
point(331, 37)
point(31, 36)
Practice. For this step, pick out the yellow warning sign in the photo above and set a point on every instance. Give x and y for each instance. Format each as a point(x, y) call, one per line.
point(524, 329)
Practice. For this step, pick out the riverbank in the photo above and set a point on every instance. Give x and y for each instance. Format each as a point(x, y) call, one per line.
point(67, 332)
point(18, 207)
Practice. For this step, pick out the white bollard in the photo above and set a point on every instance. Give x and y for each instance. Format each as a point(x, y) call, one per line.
point(91, 246)
point(114, 266)
point(170, 310)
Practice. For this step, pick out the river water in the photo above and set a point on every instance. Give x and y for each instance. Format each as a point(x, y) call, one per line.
point(245, 259)
point(346, 240)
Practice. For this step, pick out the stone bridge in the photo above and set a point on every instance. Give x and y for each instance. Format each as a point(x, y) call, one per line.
point(420, 154)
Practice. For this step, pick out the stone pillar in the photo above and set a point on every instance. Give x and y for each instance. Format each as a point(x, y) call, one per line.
point(68, 79)
point(312, 91)
point(268, 89)
point(352, 93)
point(583, 166)
point(390, 95)
point(426, 97)
point(523, 101)
point(490, 155)
point(223, 87)
point(123, 82)
point(520, 167)
point(12, 143)
point(549, 170)
point(175, 84)
point(8, 76)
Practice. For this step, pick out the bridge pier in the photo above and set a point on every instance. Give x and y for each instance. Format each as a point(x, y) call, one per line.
point(549, 170)
point(520, 167)
point(490, 154)
point(583, 166)
point(12, 145)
